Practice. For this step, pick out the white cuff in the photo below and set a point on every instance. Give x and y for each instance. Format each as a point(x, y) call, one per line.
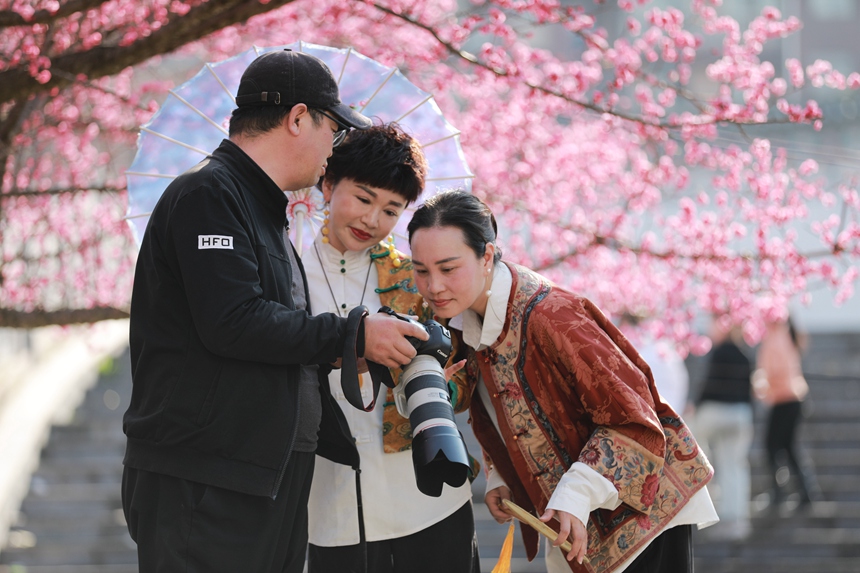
point(494, 480)
point(582, 490)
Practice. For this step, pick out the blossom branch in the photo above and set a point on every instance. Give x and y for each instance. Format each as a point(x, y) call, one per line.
point(616, 244)
point(472, 59)
point(11, 18)
point(18, 83)
point(93, 85)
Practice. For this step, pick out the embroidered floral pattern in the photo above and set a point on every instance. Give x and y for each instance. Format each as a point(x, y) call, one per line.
point(649, 490)
point(523, 412)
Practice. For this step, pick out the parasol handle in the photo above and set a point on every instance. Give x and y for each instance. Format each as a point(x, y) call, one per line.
point(299, 213)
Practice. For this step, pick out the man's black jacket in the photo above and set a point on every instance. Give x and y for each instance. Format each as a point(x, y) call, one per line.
point(215, 338)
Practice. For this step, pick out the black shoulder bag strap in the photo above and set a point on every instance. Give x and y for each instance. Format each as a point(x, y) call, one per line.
point(353, 350)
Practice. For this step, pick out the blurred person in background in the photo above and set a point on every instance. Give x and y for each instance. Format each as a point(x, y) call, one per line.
point(724, 425)
point(779, 383)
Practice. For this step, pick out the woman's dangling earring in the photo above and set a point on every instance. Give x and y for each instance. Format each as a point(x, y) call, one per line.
point(489, 290)
point(324, 229)
point(392, 252)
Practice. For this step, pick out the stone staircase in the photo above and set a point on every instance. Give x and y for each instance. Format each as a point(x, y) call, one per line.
point(71, 520)
point(824, 537)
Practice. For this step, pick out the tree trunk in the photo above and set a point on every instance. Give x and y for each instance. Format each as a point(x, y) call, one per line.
point(16, 84)
point(37, 318)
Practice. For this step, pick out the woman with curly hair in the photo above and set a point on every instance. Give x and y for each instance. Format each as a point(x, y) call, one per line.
point(366, 511)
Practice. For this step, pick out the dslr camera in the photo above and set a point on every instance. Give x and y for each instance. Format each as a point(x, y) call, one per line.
point(439, 453)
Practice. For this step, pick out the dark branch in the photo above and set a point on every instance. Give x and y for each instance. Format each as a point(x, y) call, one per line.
point(58, 191)
point(9, 18)
point(17, 83)
point(9, 126)
point(37, 318)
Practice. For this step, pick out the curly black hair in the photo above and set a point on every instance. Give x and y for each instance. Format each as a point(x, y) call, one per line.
point(382, 156)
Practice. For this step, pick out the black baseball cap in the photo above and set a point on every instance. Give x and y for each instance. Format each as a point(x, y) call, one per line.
point(285, 77)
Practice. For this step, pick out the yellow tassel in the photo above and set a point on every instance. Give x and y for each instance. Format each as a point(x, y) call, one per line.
point(503, 565)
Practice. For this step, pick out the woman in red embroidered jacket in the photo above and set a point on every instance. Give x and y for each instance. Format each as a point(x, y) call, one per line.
point(567, 413)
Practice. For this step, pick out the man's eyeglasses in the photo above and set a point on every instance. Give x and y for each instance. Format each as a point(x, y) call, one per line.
point(340, 134)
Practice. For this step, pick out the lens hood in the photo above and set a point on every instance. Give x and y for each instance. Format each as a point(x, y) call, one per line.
point(439, 456)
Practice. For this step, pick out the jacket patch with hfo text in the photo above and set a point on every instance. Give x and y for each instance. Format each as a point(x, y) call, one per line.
point(214, 242)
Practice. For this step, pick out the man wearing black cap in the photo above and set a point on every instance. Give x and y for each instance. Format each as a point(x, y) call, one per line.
point(226, 405)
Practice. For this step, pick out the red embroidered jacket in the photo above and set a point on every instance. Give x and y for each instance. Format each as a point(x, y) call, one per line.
point(567, 386)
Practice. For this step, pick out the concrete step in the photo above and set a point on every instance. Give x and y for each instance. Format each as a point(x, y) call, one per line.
point(104, 552)
point(833, 457)
point(745, 564)
point(833, 485)
point(55, 525)
point(89, 568)
point(113, 539)
point(65, 448)
point(94, 431)
point(76, 492)
point(68, 532)
point(81, 509)
point(838, 434)
point(830, 411)
point(95, 469)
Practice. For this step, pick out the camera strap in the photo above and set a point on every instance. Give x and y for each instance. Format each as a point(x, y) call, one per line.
point(350, 379)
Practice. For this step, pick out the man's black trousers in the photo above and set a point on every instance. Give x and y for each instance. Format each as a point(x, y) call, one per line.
point(189, 527)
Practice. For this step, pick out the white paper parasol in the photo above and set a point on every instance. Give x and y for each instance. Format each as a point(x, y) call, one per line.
point(194, 118)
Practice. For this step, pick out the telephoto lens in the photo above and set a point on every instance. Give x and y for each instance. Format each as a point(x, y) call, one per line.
point(438, 452)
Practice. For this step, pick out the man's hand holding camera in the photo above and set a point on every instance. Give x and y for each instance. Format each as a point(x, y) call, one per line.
point(385, 340)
